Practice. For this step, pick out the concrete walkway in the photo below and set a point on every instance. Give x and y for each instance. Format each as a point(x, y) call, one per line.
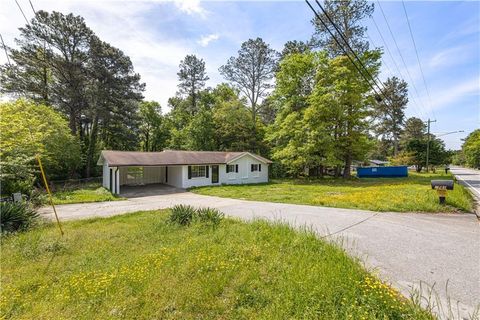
point(405, 248)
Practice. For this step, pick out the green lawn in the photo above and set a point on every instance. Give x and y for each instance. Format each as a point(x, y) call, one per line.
point(137, 266)
point(89, 193)
point(411, 194)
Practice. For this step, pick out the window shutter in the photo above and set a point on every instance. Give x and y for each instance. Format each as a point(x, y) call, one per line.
point(166, 174)
point(226, 168)
point(207, 169)
point(189, 172)
point(251, 168)
point(236, 168)
point(259, 167)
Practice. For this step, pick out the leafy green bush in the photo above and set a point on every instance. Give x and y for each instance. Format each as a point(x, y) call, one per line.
point(17, 216)
point(29, 129)
point(184, 215)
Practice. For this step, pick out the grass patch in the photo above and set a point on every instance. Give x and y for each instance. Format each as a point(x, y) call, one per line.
point(411, 194)
point(139, 266)
point(89, 193)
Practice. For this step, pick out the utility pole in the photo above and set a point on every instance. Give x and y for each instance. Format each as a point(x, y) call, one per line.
point(428, 138)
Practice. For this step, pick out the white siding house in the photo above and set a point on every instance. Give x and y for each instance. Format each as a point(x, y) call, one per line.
point(181, 169)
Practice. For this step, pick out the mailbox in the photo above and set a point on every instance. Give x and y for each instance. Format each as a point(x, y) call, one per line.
point(442, 186)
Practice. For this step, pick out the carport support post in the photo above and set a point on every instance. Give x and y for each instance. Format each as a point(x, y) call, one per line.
point(117, 180)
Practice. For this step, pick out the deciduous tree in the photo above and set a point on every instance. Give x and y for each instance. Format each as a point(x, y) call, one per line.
point(28, 130)
point(471, 149)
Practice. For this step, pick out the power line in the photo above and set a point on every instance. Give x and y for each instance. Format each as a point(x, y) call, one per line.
point(31, 5)
point(399, 52)
point(389, 70)
point(418, 109)
point(418, 59)
point(23, 14)
point(5, 48)
point(341, 47)
point(351, 49)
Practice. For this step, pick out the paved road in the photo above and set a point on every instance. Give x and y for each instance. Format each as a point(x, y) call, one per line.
point(469, 178)
point(405, 249)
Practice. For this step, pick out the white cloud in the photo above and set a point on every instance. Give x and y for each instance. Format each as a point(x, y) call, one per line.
point(191, 7)
point(452, 56)
point(123, 25)
point(205, 40)
point(448, 96)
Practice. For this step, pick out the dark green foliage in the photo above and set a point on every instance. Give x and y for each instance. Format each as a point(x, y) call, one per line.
point(390, 113)
point(437, 154)
point(153, 130)
point(17, 216)
point(414, 128)
point(182, 214)
point(292, 47)
point(192, 78)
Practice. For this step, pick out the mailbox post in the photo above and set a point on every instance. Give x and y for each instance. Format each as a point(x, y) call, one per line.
point(442, 186)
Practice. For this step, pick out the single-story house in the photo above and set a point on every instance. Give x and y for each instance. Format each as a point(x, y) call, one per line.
point(181, 169)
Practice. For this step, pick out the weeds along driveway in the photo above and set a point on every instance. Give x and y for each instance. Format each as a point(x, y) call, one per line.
point(406, 248)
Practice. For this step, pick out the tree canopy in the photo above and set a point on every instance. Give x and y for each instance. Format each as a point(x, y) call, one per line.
point(29, 129)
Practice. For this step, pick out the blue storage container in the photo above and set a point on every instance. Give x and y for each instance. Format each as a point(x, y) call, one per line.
point(382, 172)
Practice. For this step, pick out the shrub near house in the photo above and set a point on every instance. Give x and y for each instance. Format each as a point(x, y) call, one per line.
point(29, 129)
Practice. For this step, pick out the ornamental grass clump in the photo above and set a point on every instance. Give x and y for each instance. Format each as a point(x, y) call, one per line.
point(209, 216)
point(184, 215)
point(17, 216)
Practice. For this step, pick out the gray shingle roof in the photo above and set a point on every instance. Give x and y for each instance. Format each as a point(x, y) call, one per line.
point(170, 157)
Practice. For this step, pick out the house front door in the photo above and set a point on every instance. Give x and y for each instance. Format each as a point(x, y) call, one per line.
point(214, 174)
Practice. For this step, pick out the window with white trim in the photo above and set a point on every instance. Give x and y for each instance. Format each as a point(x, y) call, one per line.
point(254, 167)
point(199, 172)
point(230, 168)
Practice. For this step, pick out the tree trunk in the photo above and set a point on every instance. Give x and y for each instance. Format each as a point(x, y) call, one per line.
point(147, 142)
point(395, 146)
point(92, 146)
point(337, 171)
point(72, 122)
point(348, 164)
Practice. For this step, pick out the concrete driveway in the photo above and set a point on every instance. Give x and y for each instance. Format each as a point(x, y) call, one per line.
point(405, 248)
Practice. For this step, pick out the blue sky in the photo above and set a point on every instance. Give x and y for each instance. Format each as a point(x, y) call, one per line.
point(158, 34)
